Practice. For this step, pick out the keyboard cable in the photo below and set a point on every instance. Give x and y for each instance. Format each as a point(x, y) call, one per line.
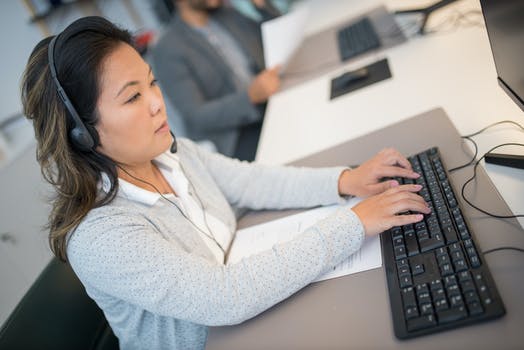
point(475, 174)
point(469, 138)
point(502, 248)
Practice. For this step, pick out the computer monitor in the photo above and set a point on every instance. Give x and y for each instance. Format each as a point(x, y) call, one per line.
point(505, 25)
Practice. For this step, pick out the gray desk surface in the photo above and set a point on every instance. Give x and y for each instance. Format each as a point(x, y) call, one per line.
point(353, 311)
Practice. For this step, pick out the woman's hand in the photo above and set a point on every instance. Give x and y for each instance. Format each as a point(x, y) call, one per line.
point(366, 181)
point(380, 212)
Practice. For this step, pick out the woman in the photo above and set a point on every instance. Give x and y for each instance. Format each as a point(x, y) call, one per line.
point(147, 230)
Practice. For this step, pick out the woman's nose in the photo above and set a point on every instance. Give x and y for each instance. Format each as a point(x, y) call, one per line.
point(157, 103)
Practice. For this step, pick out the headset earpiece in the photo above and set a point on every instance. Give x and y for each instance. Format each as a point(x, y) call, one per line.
point(79, 135)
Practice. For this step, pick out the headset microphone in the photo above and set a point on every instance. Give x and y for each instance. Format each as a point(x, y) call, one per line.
point(173, 148)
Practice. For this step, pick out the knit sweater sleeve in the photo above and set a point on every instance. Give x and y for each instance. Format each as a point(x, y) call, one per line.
point(121, 254)
point(257, 186)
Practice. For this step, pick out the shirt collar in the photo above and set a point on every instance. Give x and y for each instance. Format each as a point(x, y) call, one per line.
point(166, 160)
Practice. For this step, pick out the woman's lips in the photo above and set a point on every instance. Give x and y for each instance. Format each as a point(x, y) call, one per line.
point(163, 127)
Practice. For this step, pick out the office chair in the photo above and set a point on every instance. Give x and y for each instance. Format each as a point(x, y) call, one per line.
point(56, 313)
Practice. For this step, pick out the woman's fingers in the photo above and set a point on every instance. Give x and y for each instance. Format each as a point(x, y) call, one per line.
point(382, 186)
point(396, 171)
point(404, 188)
point(404, 200)
point(383, 211)
point(392, 157)
point(409, 204)
point(401, 220)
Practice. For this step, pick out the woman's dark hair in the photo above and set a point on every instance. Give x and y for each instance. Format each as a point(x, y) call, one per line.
point(79, 54)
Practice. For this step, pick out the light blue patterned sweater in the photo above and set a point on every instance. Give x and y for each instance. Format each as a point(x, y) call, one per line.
point(158, 283)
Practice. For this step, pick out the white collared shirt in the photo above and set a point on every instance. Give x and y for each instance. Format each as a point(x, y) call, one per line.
point(212, 230)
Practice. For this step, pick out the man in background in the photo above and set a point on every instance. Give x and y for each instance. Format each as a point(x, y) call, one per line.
point(210, 64)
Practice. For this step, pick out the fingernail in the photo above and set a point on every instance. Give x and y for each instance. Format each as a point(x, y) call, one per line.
point(420, 217)
point(418, 186)
point(394, 183)
point(417, 175)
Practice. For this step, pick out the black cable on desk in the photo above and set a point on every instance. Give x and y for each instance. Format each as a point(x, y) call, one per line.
point(469, 138)
point(475, 174)
point(502, 248)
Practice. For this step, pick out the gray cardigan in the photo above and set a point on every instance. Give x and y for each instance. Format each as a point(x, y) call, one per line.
point(200, 84)
point(159, 284)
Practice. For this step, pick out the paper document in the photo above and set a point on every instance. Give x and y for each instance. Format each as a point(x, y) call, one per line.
point(262, 237)
point(282, 36)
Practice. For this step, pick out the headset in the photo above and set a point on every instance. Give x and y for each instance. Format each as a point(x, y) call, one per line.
point(80, 135)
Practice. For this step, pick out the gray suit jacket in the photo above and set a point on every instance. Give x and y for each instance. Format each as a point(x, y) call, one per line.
point(201, 85)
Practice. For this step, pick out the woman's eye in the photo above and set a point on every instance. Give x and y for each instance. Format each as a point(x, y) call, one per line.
point(134, 98)
point(154, 82)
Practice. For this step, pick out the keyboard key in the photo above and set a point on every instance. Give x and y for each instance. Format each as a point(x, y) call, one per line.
point(405, 281)
point(464, 233)
point(398, 242)
point(450, 234)
point(421, 323)
point(446, 269)
point(426, 309)
point(453, 290)
point(402, 262)
point(441, 251)
point(423, 295)
point(431, 244)
point(443, 259)
point(456, 301)
point(471, 297)
point(471, 251)
point(457, 255)
point(408, 297)
point(411, 312)
point(460, 265)
point(408, 228)
point(475, 309)
point(441, 304)
point(453, 314)
point(403, 270)
point(467, 285)
point(450, 280)
point(464, 276)
point(400, 252)
point(455, 247)
point(418, 269)
point(411, 244)
point(396, 232)
point(468, 243)
point(435, 285)
point(475, 261)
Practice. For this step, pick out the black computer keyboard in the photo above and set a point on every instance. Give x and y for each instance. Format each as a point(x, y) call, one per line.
point(436, 275)
point(357, 38)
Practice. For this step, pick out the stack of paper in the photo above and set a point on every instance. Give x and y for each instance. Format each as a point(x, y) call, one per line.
point(256, 239)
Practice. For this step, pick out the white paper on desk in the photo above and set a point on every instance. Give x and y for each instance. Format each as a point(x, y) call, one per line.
point(258, 238)
point(282, 36)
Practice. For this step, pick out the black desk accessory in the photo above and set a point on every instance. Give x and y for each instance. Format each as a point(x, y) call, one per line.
point(511, 160)
point(359, 78)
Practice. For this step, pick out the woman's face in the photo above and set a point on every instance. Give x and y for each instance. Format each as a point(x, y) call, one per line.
point(133, 125)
